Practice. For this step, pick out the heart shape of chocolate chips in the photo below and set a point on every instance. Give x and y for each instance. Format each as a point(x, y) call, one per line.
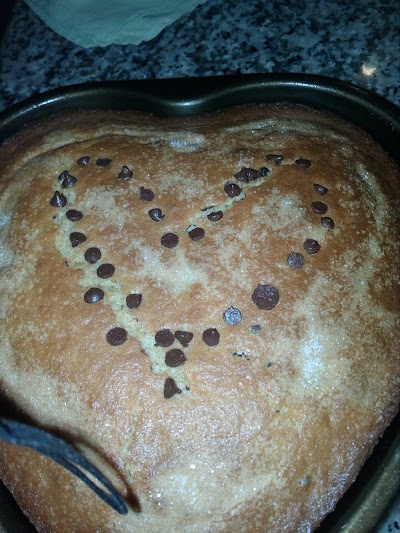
point(187, 252)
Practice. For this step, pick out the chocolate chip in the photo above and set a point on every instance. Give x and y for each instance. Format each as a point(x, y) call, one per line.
point(232, 189)
point(67, 180)
point(263, 171)
point(83, 161)
point(320, 189)
point(211, 336)
point(93, 295)
point(256, 328)
point(311, 246)
point(117, 336)
point(327, 222)
point(295, 260)
point(63, 174)
point(92, 255)
point(170, 388)
point(106, 270)
point(133, 300)
point(169, 240)
point(74, 215)
point(58, 200)
point(174, 358)
point(184, 337)
point(265, 297)
point(232, 316)
point(164, 337)
point(247, 175)
point(303, 163)
point(319, 208)
point(196, 234)
point(125, 173)
point(77, 238)
point(103, 162)
point(215, 216)
point(276, 158)
point(156, 214)
point(147, 195)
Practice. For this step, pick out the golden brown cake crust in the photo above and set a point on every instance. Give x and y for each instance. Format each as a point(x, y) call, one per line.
point(263, 431)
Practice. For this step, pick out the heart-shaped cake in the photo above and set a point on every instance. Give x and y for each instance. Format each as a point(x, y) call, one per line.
point(206, 307)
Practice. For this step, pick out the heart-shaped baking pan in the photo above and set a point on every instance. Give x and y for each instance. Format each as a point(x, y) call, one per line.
point(378, 483)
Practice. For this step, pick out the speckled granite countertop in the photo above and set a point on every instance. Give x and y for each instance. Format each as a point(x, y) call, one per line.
point(355, 41)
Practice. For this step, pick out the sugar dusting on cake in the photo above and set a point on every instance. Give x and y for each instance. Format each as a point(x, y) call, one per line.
point(176, 275)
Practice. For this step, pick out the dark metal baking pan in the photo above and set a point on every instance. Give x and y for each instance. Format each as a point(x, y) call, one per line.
point(360, 510)
point(184, 96)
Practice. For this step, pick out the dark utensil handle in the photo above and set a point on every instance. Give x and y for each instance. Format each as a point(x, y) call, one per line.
point(64, 454)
